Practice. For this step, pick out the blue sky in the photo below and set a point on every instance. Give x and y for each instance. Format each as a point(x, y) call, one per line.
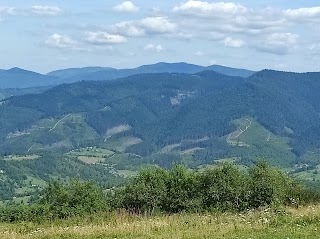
point(48, 35)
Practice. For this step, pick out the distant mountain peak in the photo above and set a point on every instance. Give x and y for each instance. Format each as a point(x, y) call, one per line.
point(16, 69)
point(20, 70)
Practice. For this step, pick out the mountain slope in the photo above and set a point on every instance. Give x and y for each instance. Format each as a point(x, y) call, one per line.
point(165, 108)
point(80, 74)
point(19, 78)
point(164, 118)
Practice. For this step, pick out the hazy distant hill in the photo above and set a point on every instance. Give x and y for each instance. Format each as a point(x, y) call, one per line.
point(19, 78)
point(230, 71)
point(73, 72)
point(96, 73)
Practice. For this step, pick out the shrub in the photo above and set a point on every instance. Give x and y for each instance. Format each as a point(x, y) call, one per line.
point(75, 198)
point(145, 193)
point(224, 188)
point(182, 188)
point(270, 186)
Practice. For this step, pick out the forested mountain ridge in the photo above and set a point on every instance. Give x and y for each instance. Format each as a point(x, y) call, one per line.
point(95, 73)
point(187, 106)
point(163, 118)
point(19, 78)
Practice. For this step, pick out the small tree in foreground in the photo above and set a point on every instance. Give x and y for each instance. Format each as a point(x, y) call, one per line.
point(75, 198)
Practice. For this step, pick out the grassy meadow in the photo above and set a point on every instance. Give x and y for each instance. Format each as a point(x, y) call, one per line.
point(288, 223)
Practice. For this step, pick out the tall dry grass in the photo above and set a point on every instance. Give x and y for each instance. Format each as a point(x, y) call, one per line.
point(267, 223)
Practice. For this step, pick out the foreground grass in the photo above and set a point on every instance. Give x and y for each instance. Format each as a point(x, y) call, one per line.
point(291, 223)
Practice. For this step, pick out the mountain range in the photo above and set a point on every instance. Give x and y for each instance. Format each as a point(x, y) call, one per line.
point(105, 128)
point(19, 78)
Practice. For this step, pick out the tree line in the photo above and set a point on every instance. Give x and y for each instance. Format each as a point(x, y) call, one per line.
point(157, 190)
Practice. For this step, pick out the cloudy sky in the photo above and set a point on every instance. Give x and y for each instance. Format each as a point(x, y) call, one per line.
point(48, 35)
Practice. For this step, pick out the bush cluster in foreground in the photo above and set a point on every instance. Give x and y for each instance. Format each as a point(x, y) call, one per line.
point(224, 188)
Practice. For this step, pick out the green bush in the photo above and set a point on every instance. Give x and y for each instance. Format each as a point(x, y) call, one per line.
point(224, 188)
point(145, 192)
point(182, 191)
point(19, 213)
point(74, 199)
point(271, 186)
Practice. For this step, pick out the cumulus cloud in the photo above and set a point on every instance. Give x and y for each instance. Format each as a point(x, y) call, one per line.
point(7, 11)
point(61, 41)
point(46, 10)
point(279, 43)
point(159, 25)
point(230, 17)
point(104, 38)
point(235, 43)
point(154, 47)
point(129, 28)
point(146, 26)
point(215, 9)
point(302, 14)
point(126, 7)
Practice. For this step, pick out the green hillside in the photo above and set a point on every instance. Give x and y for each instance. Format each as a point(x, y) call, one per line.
point(164, 119)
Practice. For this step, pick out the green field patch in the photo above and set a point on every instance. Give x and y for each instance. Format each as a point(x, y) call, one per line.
point(311, 157)
point(35, 182)
point(91, 155)
point(191, 151)
point(309, 175)
point(92, 152)
point(21, 158)
point(252, 140)
point(91, 160)
point(122, 144)
point(227, 160)
point(169, 148)
point(127, 173)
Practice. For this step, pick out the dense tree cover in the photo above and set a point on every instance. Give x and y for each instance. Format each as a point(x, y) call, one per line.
point(165, 109)
point(19, 78)
point(224, 188)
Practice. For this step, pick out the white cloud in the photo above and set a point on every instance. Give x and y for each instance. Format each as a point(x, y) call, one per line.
point(301, 14)
point(279, 43)
point(104, 38)
point(61, 41)
point(126, 7)
point(129, 28)
point(46, 10)
point(228, 17)
point(215, 9)
point(7, 11)
point(158, 25)
point(235, 43)
point(146, 26)
point(154, 47)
